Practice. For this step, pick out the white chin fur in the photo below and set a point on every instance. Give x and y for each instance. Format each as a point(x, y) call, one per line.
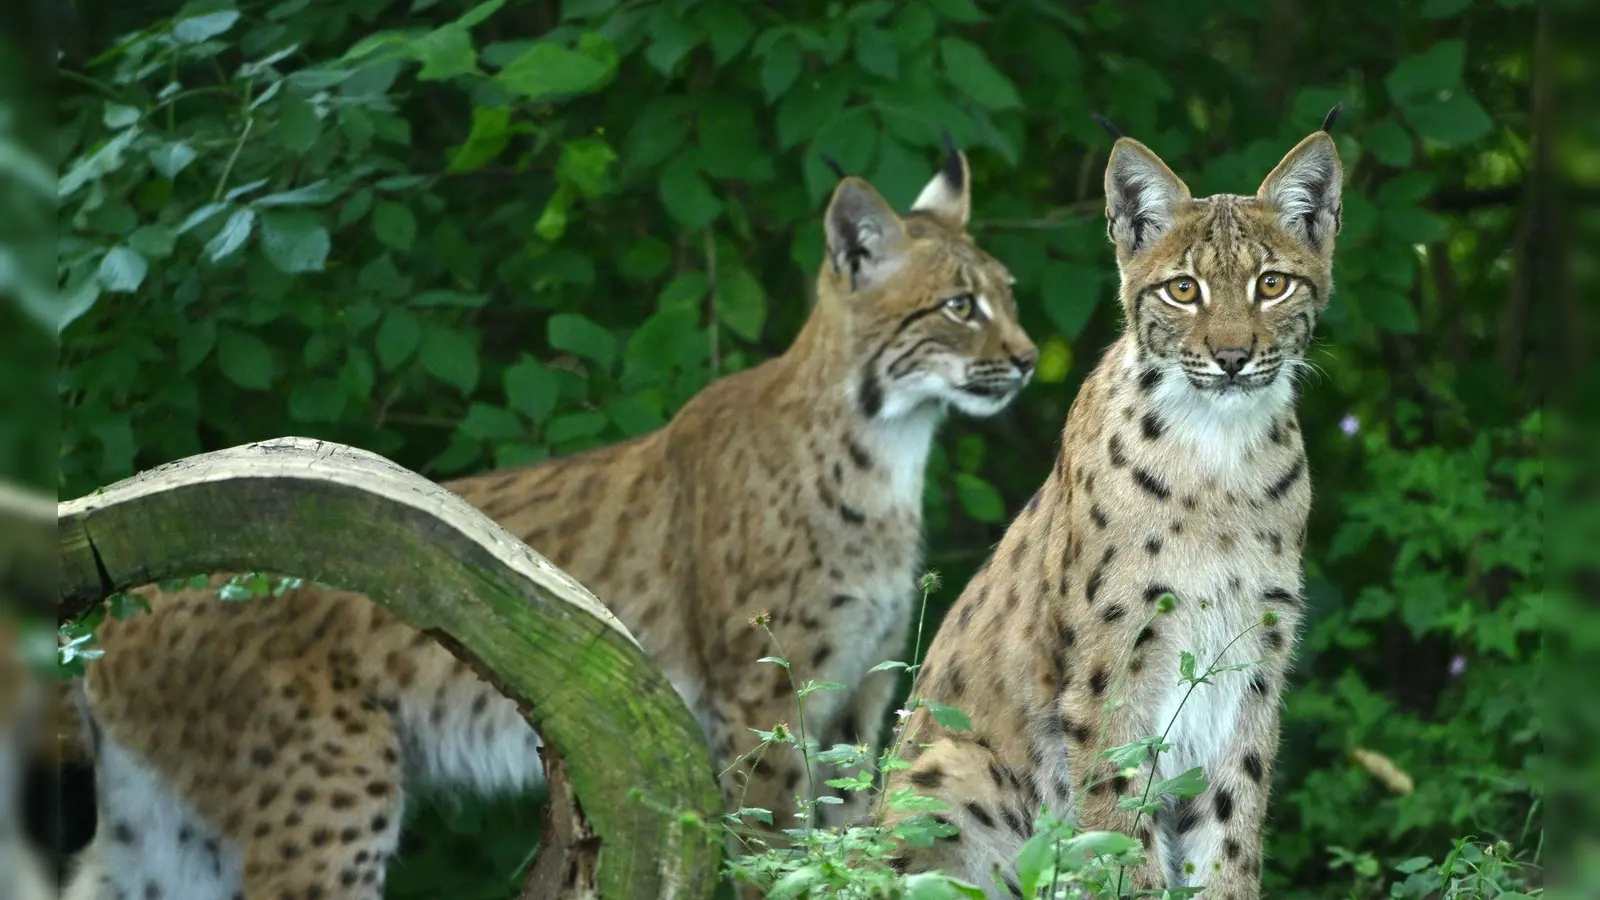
point(1219, 428)
point(974, 405)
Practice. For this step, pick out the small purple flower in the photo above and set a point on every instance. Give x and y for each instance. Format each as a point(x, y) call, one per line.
point(1458, 664)
point(1350, 425)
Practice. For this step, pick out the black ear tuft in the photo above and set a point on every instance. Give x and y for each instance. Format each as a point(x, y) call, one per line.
point(1331, 118)
point(833, 164)
point(1105, 123)
point(953, 171)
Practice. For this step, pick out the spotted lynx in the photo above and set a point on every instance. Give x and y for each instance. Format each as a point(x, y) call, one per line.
point(1181, 472)
point(263, 749)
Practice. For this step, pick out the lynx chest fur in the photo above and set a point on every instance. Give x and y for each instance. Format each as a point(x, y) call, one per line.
point(1170, 528)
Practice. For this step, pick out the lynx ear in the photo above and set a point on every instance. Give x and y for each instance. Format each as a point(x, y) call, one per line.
point(1304, 190)
point(948, 196)
point(865, 236)
point(1142, 196)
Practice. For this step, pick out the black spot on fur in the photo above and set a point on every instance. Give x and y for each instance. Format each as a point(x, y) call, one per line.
point(1148, 379)
point(840, 600)
point(982, 815)
point(858, 455)
point(1253, 767)
point(1097, 681)
point(1274, 638)
point(1150, 426)
point(1114, 452)
point(1277, 595)
point(1187, 815)
point(1259, 684)
point(1280, 488)
point(1152, 485)
point(1146, 635)
point(1224, 805)
point(1097, 516)
point(1098, 577)
point(1231, 848)
point(1152, 544)
point(851, 516)
point(1154, 592)
point(1114, 614)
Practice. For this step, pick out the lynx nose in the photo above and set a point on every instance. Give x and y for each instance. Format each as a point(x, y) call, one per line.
point(1231, 359)
point(1025, 360)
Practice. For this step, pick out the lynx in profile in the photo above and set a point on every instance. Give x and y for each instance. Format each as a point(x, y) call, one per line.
point(264, 749)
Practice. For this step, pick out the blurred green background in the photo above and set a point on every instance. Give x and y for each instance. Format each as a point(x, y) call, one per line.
point(472, 235)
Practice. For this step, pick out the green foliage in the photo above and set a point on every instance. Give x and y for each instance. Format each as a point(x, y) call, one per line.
point(468, 235)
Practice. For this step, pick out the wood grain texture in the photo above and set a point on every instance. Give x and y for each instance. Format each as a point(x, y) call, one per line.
point(354, 520)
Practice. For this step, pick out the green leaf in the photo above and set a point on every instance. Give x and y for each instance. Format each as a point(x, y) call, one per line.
point(117, 116)
point(299, 126)
point(585, 164)
point(232, 236)
point(1454, 121)
point(1443, 9)
point(686, 196)
point(446, 53)
point(172, 157)
point(979, 498)
point(948, 716)
point(575, 426)
point(964, 11)
point(1188, 784)
point(316, 193)
point(195, 29)
point(1389, 310)
point(728, 29)
point(476, 15)
point(450, 356)
point(582, 337)
point(294, 241)
point(876, 53)
point(741, 302)
point(491, 131)
point(970, 70)
point(1389, 143)
point(780, 68)
point(1414, 225)
point(672, 37)
point(245, 359)
point(317, 400)
point(486, 422)
point(153, 240)
point(1186, 665)
point(548, 70)
point(1428, 73)
point(808, 108)
point(394, 225)
point(122, 270)
point(397, 338)
point(531, 388)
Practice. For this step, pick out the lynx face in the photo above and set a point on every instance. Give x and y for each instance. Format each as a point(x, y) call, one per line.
point(933, 315)
point(1225, 290)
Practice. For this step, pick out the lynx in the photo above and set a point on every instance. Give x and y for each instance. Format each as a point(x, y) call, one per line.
point(1181, 476)
point(264, 749)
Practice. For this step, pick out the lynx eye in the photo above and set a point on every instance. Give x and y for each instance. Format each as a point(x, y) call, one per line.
point(1183, 289)
point(961, 306)
point(1271, 285)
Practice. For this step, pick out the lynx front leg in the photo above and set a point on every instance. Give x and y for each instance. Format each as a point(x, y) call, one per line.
point(861, 724)
point(1097, 785)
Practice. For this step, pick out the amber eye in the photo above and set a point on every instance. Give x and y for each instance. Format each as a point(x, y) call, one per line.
point(1271, 285)
point(961, 306)
point(1183, 289)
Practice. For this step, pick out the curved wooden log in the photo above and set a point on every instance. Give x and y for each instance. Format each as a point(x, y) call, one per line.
point(352, 519)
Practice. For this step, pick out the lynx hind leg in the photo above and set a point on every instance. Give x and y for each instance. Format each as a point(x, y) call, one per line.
point(983, 799)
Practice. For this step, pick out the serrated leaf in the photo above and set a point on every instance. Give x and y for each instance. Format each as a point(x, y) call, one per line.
point(582, 337)
point(445, 53)
point(979, 498)
point(575, 426)
point(970, 70)
point(397, 338)
point(549, 70)
point(491, 131)
point(1186, 664)
point(686, 196)
point(741, 303)
point(1389, 143)
point(1453, 121)
point(948, 716)
point(172, 157)
point(487, 422)
point(294, 241)
point(394, 225)
point(122, 270)
point(1425, 74)
point(876, 53)
point(234, 233)
point(1188, 784)
point(316, 193)
point(244, 359)
point(780, 68)
point(531, 389)
point(196, 29)
point(450, 356)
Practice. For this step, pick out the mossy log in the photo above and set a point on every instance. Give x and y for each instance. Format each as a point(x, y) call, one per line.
point(632, 752)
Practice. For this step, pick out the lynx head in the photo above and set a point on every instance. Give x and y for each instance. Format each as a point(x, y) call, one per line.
point(930, 316)
point(1223, 292)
